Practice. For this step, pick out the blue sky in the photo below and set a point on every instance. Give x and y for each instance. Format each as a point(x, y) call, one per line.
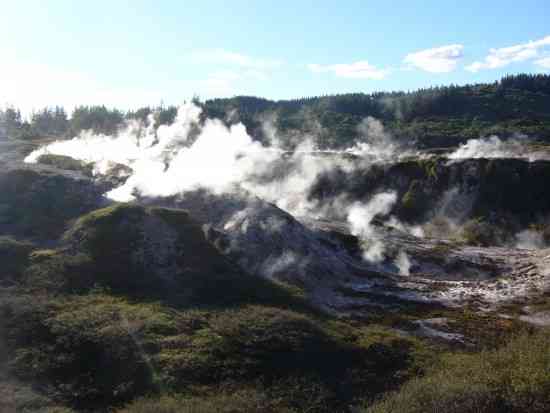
point(131, 53)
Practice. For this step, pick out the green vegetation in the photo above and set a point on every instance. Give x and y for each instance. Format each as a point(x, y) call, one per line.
point(515, 378)
point(97, 331)
point(82, 347)
point(149, 253)
point(100, 350)
point(54, 122)
point(430, 166)
point(136, 311)
point(413, 203)
point(434, 117)
point(246, 400)
point(19, 397)
point(98, 119)
point(66, 163)
point(478, 231)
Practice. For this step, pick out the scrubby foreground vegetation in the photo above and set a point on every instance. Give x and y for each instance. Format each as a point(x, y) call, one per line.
point(514, 378)
point(85, 327)
point(135, 311)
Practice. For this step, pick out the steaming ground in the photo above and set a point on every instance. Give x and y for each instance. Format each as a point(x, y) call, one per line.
point(257, 202)
point(493, 147)
point(171, 161)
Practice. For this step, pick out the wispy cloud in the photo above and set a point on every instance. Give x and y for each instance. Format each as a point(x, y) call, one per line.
point(442, 59)
point(232, 71)
point(357, 70)
point(506, 55)
point(226, 57)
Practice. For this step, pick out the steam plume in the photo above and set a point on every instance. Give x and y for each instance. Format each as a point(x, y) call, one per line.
point(360, 217)
point(494, 147)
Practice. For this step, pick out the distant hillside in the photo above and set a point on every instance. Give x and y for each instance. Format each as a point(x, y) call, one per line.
point(434, 117)
point(438, 116)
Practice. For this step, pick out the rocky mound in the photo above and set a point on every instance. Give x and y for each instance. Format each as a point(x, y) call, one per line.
point(39, 202)
point(66, 163)
point(143, 251)
point(268, 242)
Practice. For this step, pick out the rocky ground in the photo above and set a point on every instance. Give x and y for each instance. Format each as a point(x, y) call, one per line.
point(322, 254)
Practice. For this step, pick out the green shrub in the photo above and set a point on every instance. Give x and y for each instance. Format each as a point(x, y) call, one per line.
point(59, 271)
point(97, 350)
point(85, 348)
point(515, 378)
point(235, 402)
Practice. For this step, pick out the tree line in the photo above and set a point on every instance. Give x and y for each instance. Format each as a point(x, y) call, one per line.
point(54, 121)
point(437, 115)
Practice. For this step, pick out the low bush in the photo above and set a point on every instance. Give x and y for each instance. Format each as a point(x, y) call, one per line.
point(239, 401)
point(514, 379)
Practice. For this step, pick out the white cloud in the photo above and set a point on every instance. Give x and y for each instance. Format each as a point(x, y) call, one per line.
point(505, 55)
point(357, 70)
point(225, 57)
point(232, 71)
point(437, 60)
point(544, 62)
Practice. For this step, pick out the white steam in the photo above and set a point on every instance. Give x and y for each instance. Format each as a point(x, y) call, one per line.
point(137, 144)
point(494, 147)
point(360, 217)
point(403, 262)
point(415, 230)
point(529, 240)
point(218, 159)
point(376, 143)
point(191, 154)
point(290, 191)
point(163, 161)
point(166, 161)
